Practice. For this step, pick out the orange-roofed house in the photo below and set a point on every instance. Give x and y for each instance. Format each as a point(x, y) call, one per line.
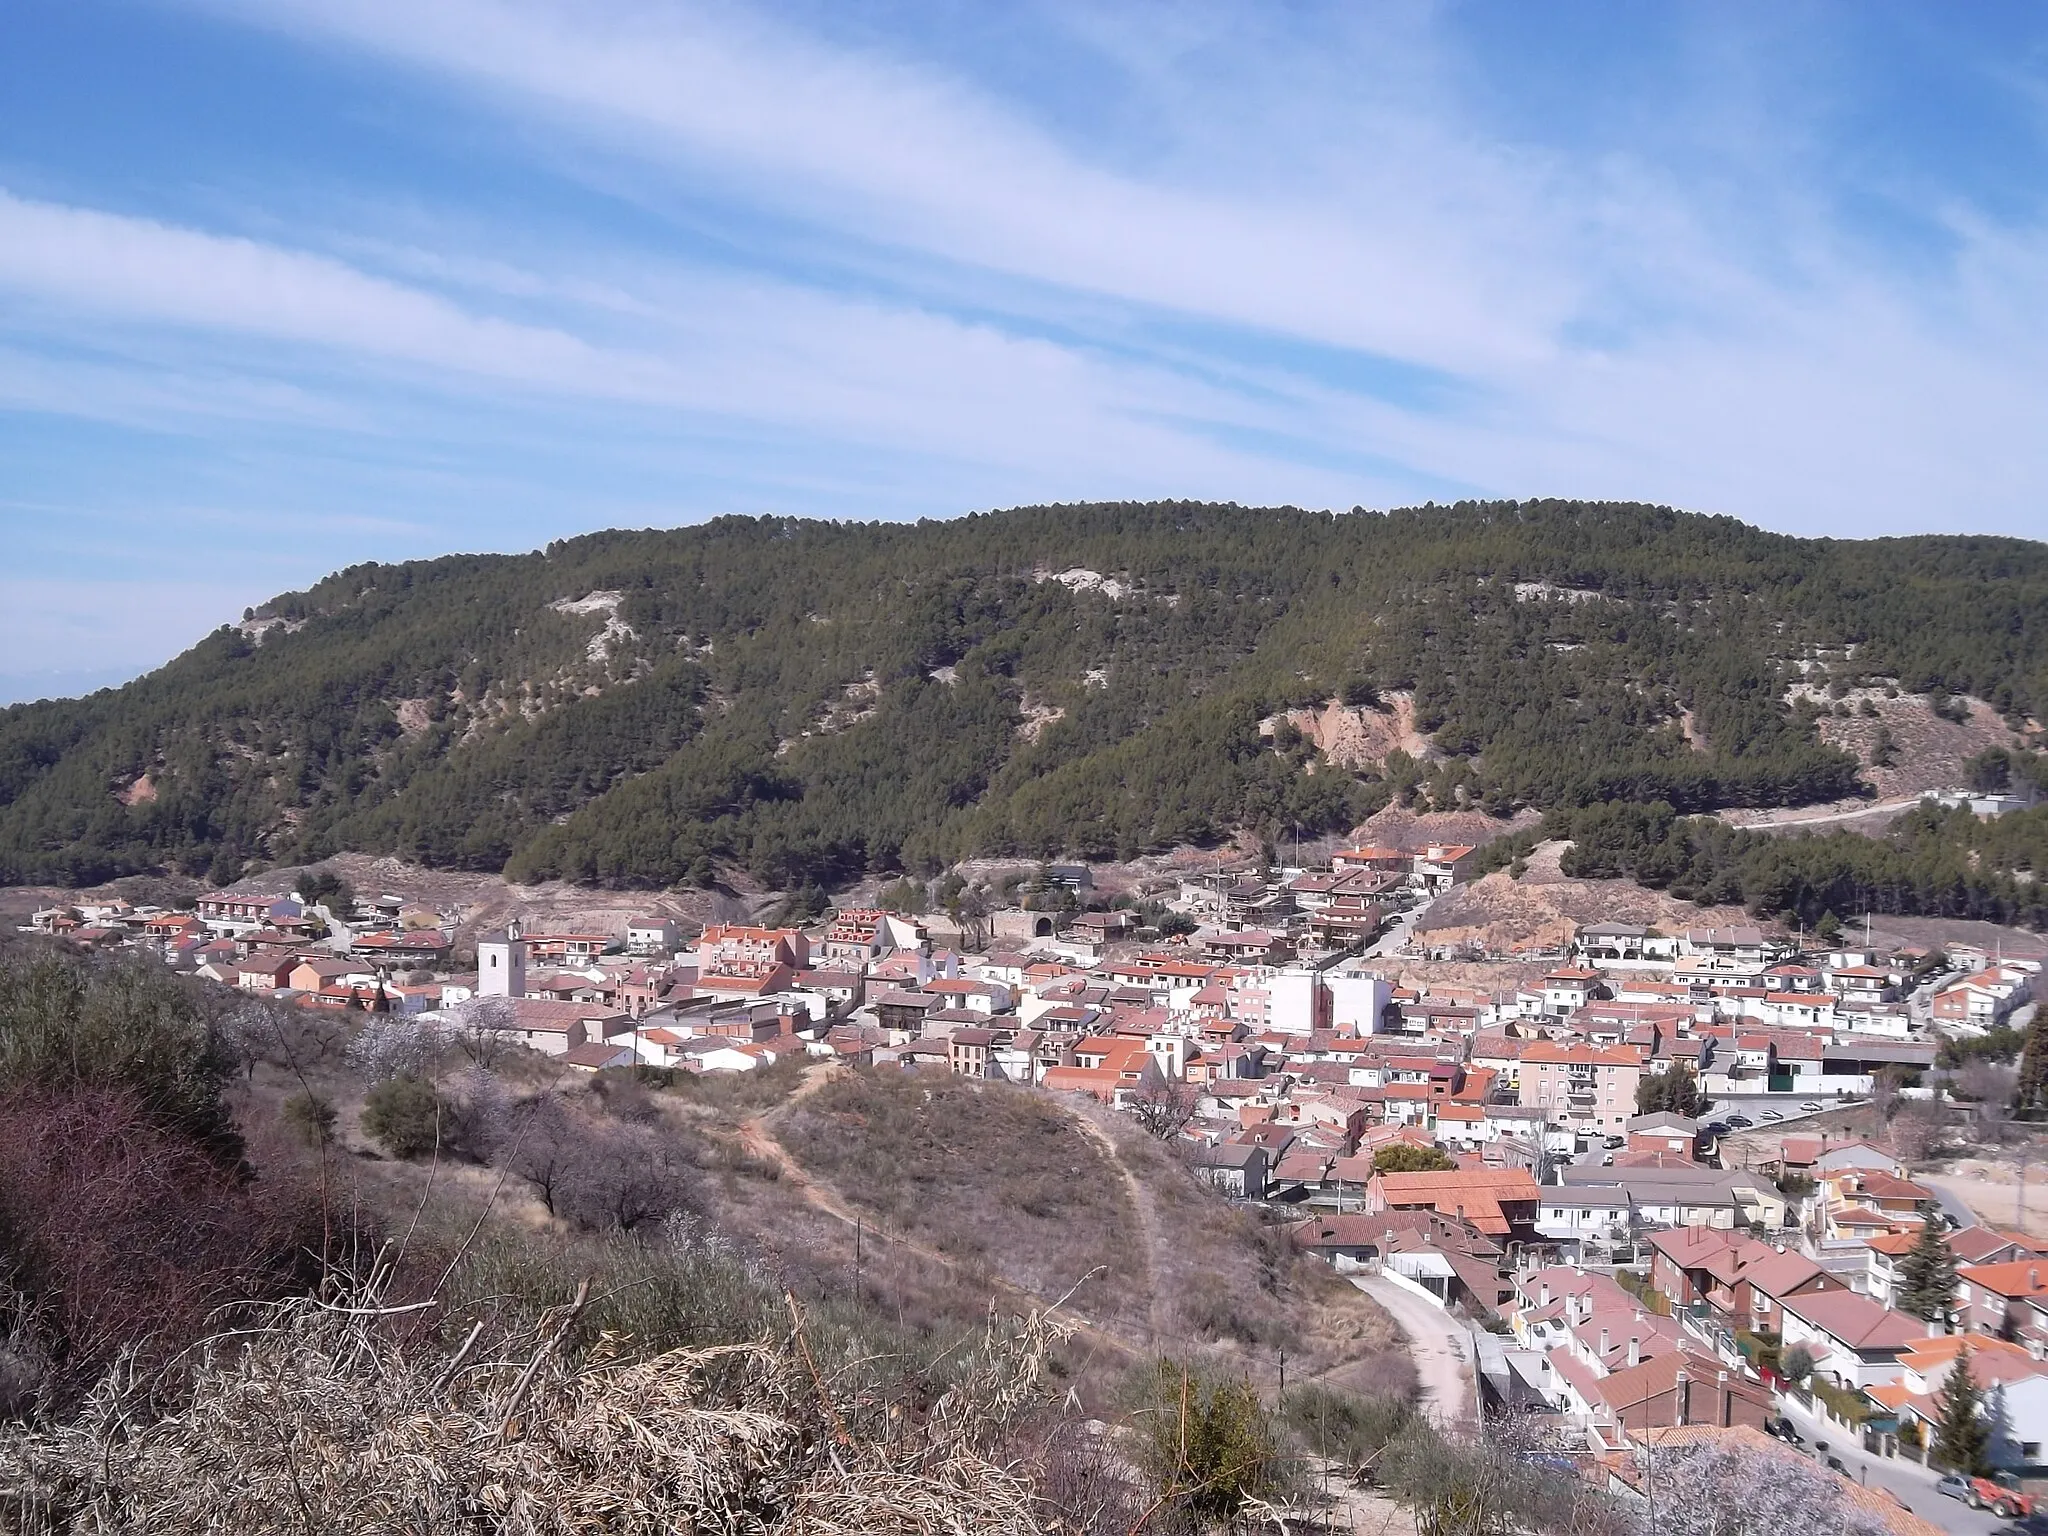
point(1587, 1088)
point(1500, 1202)
point(2007, 1300)
point(2014, 1384)
point(1443, 865)
point(730, 949)
point(1369, 857)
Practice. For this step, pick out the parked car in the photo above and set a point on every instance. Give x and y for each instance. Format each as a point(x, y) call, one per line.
point(1615, 1141)
point(1606, 1159)
point(1811, 1106)
point(2006, 1503)
point(1740, 1122)
point(1954, 1486)
point(1782, 1428)
point(1835, 1465)
point(1772, 1114)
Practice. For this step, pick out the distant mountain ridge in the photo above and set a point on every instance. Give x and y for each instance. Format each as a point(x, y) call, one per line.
point(813, 701)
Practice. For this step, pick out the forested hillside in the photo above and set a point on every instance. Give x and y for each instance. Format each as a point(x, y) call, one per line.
point(812, 701)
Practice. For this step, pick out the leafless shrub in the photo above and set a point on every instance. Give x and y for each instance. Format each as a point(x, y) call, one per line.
point(595, 1175)
point(325, 1420)
point(1084, 1486)
point(120, 1232)
point(292, 1039)
point(474, 1115)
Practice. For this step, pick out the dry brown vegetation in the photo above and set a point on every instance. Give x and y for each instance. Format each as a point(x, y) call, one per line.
point(981, 1173)
point(1043, 1193)
point(1928, 750)
point(340, 1413)
point(1499, 914)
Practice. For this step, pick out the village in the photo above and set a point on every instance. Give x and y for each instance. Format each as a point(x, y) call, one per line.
point(1527, 1166)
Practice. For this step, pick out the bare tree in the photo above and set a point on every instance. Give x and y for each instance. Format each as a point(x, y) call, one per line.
point(1989, 1086)
point(483, 1029)
point(591, 1174)
point(542, 1144)
point(1915, 1132)
point(1162, 1105)
point(632, 1174)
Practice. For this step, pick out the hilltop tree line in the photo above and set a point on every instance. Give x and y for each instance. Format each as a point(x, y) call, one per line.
point(1929, 862)
point(814, 701)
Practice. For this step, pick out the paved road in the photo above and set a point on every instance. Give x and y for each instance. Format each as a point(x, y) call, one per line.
point(1398, 931)
point(1913, 1484)
point(1440, 1344)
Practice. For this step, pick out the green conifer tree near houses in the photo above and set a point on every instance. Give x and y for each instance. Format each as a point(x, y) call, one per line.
point(1961, 1440)
point(2032, 1087)
point(1927, 1274)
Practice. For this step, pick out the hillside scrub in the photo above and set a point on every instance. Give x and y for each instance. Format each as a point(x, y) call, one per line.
point(813, 702)
point(322, 1420)
point(129, 1215)
point(980, 1171)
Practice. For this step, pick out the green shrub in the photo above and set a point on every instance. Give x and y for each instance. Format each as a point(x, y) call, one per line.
point(1205, 1443)
point(1343, 1426)
point(403, 1115)
point(126, 1025)
point(1846, 1402)
point(310, 1118)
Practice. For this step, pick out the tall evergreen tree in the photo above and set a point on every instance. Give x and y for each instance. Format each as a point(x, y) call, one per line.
point(2032, 1087)
point(1927, 1274)
point(1962, 1438)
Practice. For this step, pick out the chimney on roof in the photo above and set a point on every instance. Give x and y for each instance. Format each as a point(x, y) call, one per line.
point(1603, 1343)
point(1544, 1295)
point(1635, 1350)
point(1680, 1388)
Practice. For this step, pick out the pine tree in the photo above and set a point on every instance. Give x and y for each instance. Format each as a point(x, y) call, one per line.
point(1927, 1274)
point(1675, 1089)
point(2033, 1081)
point(1962, 1437)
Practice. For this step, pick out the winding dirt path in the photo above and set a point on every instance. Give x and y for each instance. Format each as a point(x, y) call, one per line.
point(756, 1137)
point(1141, 1209)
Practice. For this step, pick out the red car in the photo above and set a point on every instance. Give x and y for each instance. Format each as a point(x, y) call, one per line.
point(2006, 1503)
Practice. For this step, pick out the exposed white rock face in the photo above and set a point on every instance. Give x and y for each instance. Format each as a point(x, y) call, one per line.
point(615, 628)
point(1081, 579)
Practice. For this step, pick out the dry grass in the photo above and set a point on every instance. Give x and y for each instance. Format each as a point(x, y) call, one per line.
point(327, 1417)
point(984, 1173)
point(1231, 1284)
point(1005, 1179)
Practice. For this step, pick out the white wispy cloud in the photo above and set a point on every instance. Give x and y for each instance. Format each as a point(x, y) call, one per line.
point(1261, 254)
point(1621, 322)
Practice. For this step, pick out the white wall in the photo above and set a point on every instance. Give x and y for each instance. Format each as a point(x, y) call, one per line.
point(1357, 1001)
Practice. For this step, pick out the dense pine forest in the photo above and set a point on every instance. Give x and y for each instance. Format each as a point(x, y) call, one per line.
point(813, 701)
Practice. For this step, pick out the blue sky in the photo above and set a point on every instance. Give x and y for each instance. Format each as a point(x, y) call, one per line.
point(288, 284)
